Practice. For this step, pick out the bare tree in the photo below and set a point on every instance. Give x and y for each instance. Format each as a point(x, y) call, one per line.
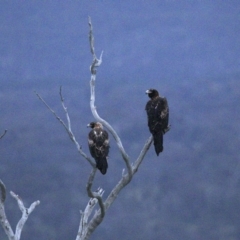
point(88, 221)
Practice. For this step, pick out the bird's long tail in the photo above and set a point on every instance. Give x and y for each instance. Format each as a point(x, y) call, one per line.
point(158, 142)
point(102, 165)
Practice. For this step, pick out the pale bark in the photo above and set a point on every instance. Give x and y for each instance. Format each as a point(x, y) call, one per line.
point(89, 223)
point(25, 214)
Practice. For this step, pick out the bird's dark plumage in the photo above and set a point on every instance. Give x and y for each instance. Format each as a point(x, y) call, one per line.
point(158, 113)
point(99, 145)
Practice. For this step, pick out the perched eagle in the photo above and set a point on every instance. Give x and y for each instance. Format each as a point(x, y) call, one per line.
point(158, 113)
point(99, 145)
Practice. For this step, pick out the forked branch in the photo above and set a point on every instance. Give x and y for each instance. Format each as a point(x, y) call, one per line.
point(25, 214)
point(98, 194)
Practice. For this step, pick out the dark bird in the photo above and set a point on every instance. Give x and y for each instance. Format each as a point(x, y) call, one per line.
point(158, 113)
point(99, 145)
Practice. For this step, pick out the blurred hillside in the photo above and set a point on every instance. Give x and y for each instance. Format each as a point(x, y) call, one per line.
point(188, 51)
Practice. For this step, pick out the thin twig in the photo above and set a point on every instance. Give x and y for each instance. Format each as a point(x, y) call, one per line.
point(5, 131)
point(67, 116)
point(67, 128)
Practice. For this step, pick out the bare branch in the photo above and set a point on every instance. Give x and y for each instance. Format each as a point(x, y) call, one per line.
point(3, 191)
point(3, 218)
point(5, 224)
point(25, 213)
point(67, 116)
point(125, 180)
point(67, 128)
point(96, 63)
point(142, 154)
point(5, 131)
point(97, 219)
point(83, 227)
point(84, 231)
point(91, 38)
point(98, 194)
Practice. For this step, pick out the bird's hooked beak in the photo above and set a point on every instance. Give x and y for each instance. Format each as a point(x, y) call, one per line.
point(148, 91)
point(88, 125)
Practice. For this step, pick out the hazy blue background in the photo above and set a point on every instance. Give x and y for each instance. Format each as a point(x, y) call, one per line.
point(188, 50)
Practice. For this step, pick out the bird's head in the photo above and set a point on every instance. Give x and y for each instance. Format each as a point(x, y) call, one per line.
point(91, 124)
point(152, 93)
point(94, 125)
